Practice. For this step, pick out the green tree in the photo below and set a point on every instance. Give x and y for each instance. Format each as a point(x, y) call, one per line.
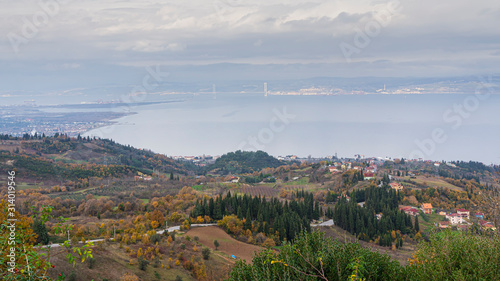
point(454, 255)
point(41, 232)
point(248, 220)
point(205, 252)
point(143, 264)
point(314, 257)
point(216, 244)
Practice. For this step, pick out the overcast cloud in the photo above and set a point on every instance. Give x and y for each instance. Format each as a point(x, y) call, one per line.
point(419, 38)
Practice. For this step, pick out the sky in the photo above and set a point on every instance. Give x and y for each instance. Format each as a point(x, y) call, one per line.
point(61, 44)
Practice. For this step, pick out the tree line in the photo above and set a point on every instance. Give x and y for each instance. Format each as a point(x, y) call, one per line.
point(266, 216)
point(363, 222)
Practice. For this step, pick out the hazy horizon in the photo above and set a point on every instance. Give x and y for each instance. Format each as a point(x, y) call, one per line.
point(65, 45)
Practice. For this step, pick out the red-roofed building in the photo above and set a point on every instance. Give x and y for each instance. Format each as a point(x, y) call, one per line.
point(455, 218)
point(444, 224)
point(487, 224)
point(396, 186)
point(368, 175)
point(412, 212)
point(464, 213)
point(409, 210)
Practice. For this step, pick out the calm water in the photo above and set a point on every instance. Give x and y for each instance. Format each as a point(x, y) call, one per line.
point(464, 127)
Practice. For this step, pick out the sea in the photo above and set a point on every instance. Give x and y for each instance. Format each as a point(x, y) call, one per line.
point(431, 126)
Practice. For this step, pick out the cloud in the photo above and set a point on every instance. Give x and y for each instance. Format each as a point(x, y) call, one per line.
point(444, 35)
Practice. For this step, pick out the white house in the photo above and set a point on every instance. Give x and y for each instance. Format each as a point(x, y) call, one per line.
point(455, 219)
point(464, 213)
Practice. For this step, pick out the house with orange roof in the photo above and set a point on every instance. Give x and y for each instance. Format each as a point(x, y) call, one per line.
point(427, 208)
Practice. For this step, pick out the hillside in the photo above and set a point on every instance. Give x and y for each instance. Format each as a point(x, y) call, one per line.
point(244, 162)
point(76, 158)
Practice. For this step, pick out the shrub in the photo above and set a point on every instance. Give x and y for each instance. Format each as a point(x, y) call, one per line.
point(156, 262)
point(72, 276)
point(155, 238)
point(205, 252)
point(452, 255)
point(143, 264)
point(196, 238)
point(129, 277)
point(91, 262)
point(314, 255)
point(188, 265)
point(183, 246)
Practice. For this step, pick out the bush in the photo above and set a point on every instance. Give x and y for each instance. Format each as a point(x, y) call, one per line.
point(143, 264)
point(129, 277)
point(452, 255)
point(178, 278)
point(315, 255)
point(91, 262)
point(449, 255)
point(183, 246)
point(72, 276)
point(155, 238)
point(196, 238)
point(156, 262)
point(205, 253)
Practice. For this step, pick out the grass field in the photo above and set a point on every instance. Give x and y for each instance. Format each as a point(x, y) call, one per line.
point(198, 187)
point(258, 190)
point(301, 181)
point(111, 263)
point(427, 222)
point(434, 182)
point(228, 245)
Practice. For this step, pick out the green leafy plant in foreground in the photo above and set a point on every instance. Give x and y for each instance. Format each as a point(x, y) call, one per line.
point(32, 262)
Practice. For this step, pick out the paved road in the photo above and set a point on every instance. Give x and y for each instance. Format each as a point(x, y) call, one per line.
point(326, 223)
point(177, 228)
point(170, 229)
